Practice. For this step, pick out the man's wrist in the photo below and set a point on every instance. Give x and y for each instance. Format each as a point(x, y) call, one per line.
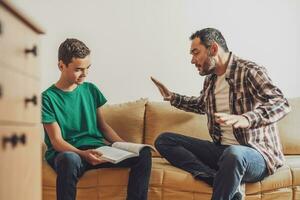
point(247, 120)
point(172, 96)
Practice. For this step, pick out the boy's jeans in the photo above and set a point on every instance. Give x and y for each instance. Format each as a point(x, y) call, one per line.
point(227, 166)
point(69, 167)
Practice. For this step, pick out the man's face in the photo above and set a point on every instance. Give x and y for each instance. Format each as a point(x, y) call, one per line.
point(201, 58)
point(76, 71)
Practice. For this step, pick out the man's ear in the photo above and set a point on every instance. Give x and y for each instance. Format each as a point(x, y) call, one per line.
point(61, 65)
point(214, 48)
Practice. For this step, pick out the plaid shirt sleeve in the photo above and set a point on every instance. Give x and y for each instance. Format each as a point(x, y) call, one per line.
point(271, 105)
point(189, 104)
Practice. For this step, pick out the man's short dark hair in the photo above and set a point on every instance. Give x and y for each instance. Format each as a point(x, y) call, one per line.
point(72, 48)
point(210, 35)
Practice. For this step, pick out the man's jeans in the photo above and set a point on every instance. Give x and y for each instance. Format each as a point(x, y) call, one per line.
point(69, 167)
point(227, 166)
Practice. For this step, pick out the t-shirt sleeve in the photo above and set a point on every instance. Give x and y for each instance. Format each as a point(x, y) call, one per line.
point(47, 110)
point(100, 99)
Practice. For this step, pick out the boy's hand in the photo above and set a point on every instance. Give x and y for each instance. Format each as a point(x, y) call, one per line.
point(93, 157)
point(237, 121)
point(167, 95)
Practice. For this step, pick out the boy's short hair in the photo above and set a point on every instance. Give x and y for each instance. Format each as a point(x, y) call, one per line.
point(72, 48)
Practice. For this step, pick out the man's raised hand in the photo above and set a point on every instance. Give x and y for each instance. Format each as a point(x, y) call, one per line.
point(167, 95)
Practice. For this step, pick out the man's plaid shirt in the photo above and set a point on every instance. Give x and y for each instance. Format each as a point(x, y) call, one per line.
point(253, 95)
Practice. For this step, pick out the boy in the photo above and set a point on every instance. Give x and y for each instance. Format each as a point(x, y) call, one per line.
point(74, 126)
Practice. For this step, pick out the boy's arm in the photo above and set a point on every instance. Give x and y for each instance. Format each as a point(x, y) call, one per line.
point(107, 131)
point(60, 145)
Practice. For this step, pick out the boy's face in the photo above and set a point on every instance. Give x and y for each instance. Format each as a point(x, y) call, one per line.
point(76, 71)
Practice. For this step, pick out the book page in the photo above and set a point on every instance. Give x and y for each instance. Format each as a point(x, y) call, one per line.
point(114, 155)
point(132, 147)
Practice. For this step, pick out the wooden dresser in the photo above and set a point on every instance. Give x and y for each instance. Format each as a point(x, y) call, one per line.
point(20, 135)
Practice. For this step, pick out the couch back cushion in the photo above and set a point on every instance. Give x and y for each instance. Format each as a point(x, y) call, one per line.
point(162, 117)
point(127, 119)
point(289, 129)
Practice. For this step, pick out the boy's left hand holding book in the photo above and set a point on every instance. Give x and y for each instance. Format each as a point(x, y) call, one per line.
point(93, 156)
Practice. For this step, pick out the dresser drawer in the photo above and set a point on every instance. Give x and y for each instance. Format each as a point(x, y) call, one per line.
point(19, 97)
point(32, 108)
point(20, 169)
point(19, 44)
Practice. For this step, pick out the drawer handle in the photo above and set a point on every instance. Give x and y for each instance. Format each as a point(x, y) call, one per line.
point(14, 140)
point(33, 50)
point(33, 100)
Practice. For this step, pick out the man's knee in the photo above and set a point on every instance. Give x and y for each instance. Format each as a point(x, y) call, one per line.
point(163, 139)
point(233, 156)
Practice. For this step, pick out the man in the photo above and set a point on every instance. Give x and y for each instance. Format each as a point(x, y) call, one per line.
point(242, 106)
point(74, 126)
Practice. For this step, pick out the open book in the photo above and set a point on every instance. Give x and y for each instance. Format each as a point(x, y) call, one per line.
point(121, 150)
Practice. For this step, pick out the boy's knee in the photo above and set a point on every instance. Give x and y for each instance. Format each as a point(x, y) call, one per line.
point(146, 153)
point(145, 159)
point(67, 161)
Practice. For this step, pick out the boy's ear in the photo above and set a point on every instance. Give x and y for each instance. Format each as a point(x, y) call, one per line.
point(61, 65)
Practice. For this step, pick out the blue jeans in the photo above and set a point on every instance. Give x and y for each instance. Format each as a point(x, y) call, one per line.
point(69, 167)
point(221, 166)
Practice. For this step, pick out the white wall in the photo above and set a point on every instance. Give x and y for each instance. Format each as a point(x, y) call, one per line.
point(132, 40)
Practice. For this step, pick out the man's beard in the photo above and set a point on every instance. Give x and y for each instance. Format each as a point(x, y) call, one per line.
point(209, 66)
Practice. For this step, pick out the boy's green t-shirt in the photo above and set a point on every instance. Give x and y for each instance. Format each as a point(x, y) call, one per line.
point(76, 114)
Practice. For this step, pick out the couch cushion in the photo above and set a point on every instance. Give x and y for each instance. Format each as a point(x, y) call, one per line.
point(167, 181)
point(289, 129)
point(162, 117)
point(294, 163)
point(177, 179)
point(127, 119)
point(281, 179)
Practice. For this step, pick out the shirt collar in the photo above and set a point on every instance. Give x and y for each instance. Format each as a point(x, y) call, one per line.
point(228, 72)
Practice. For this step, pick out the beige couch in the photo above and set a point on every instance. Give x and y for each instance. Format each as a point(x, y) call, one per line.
point(143, 121)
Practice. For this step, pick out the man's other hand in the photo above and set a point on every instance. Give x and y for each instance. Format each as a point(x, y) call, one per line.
point(237, 121)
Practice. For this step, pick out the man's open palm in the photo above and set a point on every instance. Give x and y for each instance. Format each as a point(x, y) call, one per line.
point(167, 95)
point(237, 121)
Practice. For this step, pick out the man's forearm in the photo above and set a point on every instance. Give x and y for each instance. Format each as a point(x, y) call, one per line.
point(189, 104)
